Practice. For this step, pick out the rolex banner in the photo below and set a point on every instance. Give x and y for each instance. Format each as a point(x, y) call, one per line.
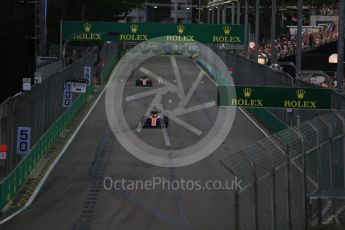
point(275, 97)
point(139, 32)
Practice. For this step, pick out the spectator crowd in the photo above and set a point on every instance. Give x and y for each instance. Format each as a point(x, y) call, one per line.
point(286, 45)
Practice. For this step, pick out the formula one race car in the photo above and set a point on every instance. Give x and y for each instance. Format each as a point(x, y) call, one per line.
point(143, 81)
point(155, 120)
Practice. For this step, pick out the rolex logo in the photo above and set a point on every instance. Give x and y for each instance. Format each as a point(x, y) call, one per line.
point(247, 92)
point(180, 29)
point(226, 30)
point(300, 94)
point(87, 27)
point(134, 28)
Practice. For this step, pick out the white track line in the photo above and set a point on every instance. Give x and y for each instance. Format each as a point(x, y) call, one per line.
point(171, 86)
point(161, 90)
point(165, 134)
point(206, 74)
point(185, 125)
point(181, 111)
point(192, 89)
point(254, 123)
point(177, 76)
point(164, 127)
point(62, 152)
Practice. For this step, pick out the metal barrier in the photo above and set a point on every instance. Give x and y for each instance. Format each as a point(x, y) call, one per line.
point(263, 115)
point(48, 70)
point(110, 55)
point(16, 179)
point(267, 118)
point(279, 175)
point(38, 109)
point(41, 109)
point(247, 72)
point(107, 70)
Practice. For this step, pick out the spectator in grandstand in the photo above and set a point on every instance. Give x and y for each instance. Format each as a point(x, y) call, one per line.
point(286, 44)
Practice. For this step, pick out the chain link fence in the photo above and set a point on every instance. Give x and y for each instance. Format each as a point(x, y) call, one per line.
point(293, 179)
point(37, 109)
point(289, 179)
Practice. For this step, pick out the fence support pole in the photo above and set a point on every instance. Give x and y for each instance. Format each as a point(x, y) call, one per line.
point(332, 183)
point(273, 31)
point(299, 37)
point(298, 121)
point(343, 145)
point(273, 189)
point(255, 192)
point(237, 210)
point(238, 12)
point(224, 14)
point(208, 15)
point(232, 13)
point(257, 30)
point(340, 65)
point(246, 29)
point(60, 39)
point(304, 157)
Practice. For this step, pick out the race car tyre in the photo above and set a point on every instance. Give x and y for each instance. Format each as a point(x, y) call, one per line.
point(166, 121)
point(137, 82)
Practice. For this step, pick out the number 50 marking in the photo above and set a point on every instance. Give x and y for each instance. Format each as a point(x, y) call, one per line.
point(23, 140)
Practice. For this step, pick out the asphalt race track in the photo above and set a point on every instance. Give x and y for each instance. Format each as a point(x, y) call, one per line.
point(74, 196)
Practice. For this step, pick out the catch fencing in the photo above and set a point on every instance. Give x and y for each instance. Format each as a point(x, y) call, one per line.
point(282, 173)
point(289, 179)
point(37, 108)
point(41, 109)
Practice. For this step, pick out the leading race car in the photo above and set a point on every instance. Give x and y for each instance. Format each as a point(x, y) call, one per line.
point(155, 120)
point(143, 81)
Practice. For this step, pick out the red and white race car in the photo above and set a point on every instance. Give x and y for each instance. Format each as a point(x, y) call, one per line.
point(143, 81)
point(155, 120)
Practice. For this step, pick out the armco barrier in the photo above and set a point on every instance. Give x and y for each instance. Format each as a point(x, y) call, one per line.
point(108, 68)
point(14, 181)
point(268, 119)
point(215, 74)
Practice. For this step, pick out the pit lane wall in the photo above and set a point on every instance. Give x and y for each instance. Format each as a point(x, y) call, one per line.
point(13, 182)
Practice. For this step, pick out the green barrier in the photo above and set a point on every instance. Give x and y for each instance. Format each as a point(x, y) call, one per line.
point(17, 178)
point(215, 74)
point(264, 116)
point(107, 70)
point(268, 119)
point(14, 181)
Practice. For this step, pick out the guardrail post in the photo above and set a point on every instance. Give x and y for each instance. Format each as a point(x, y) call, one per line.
point(237, 210)
point(318, 149)
point(300, 135)
point(268, 153)
point(331, 135)
point(343, 147)
point(255, 192)
point(298, 121)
